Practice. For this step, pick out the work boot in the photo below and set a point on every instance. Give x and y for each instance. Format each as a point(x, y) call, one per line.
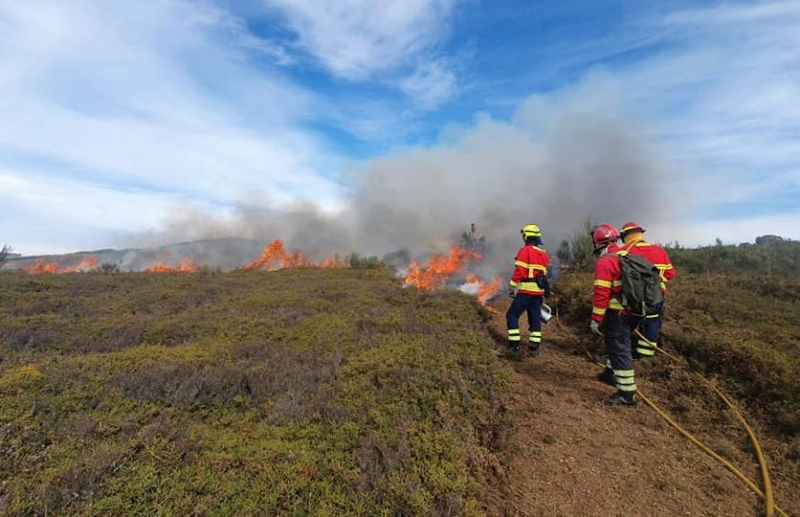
point(607, 377)
point(533, 350)
point(511, 351)
point(622, 398)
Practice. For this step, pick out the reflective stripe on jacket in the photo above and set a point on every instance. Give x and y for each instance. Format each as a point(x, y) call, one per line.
point(529, 262)
point(607, 286)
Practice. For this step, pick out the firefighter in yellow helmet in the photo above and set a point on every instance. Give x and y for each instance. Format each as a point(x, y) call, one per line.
point(527, 286)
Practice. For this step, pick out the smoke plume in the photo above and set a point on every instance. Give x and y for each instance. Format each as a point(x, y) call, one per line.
point(560, 159)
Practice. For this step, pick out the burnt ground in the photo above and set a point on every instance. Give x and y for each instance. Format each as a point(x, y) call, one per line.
point(572, 455)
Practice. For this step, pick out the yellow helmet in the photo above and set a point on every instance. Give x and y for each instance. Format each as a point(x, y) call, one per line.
point(531, 230)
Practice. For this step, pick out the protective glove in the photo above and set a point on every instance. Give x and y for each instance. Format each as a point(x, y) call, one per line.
point(594, 326)
point(511, 292)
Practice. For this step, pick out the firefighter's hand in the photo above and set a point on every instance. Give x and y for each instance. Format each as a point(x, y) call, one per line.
point(511, 292)
point(594, 326)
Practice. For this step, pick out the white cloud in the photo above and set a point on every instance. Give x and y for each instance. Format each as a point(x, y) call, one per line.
point(355, 38)
point(42, 214)
point(365, 40)
point(431, 84)
point(721, 87)
point(158, 95)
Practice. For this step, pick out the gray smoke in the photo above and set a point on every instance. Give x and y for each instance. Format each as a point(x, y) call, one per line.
point(560, 159)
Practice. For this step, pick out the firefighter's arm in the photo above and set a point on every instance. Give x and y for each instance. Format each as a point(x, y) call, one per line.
point(520, 272)
point(669, 271)
point(602, 291)
point(665, 268)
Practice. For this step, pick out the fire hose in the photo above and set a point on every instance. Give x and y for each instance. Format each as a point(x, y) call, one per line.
point(766, 494)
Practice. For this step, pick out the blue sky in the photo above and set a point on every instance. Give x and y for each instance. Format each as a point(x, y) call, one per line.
point(115, 115)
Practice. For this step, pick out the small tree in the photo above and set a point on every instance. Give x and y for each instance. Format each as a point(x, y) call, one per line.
point(108, 268)
point(4, 252)
point(471, 241)
point(581, 244)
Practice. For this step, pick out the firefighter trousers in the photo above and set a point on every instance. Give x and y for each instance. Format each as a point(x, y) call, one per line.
point(618, 330)
point(650, 328)
point(533, 305)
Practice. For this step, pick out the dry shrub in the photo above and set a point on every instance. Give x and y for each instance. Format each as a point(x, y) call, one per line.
point(183, 384)
point(29, 339)
point(377, 459)
point(299, 386)
point(84, 477)
point(164, 441)
point(78, 427)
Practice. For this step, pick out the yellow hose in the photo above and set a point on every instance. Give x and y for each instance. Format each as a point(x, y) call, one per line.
point(762, 462)
point(738, 473)
point(766, 495)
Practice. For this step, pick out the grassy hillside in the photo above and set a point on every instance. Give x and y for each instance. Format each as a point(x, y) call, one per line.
point(743, 327)
point(327, 392)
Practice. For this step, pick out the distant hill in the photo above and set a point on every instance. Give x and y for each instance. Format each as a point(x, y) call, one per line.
point(225, 253)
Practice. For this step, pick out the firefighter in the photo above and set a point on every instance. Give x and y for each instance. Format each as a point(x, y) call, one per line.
point(634, 243)
point(618, 324)
point(527, 286)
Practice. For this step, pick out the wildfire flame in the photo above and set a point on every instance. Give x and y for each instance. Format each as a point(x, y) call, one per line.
point(485, 288)
point(187, 265)
point(437, 272)
point(42, 266)
point(439, 269)
point(275, 256)
point(85, 264)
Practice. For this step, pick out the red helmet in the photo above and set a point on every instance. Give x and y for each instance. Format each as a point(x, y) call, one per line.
point(603, 235)
point(631, 227)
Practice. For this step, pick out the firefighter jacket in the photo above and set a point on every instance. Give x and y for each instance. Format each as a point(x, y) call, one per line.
point(530, 262)
point(607, 286)
point(655, 254)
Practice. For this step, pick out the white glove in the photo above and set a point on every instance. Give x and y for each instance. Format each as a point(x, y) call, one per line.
point(594, 326)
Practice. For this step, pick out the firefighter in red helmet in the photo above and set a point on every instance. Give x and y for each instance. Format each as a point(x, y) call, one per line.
point(607, 310)
point(527, 286)
point(634, 243)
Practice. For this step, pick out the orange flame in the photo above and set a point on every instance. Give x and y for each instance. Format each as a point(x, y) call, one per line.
point(439, 269)
point(85, 264)
point(42, 266)
point(187, 265)
point(485, 288)
point(275, 256)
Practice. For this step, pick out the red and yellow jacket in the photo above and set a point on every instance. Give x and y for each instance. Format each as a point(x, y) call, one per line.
point(530, 261)
point(652, 252)
point(607, 286)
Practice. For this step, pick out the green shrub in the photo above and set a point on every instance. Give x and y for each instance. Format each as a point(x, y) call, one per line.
point(356, 261)
point(775, 258)
point(313, 391)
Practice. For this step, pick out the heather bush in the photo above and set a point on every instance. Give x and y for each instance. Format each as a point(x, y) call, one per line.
point(316, 391)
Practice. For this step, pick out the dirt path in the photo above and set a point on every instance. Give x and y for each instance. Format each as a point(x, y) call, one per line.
point(573, 455)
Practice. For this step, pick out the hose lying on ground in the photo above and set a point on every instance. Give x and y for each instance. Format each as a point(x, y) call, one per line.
point(762, 462)
point(766, 495)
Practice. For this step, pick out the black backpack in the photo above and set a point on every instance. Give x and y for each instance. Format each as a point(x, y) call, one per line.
point(641, 285)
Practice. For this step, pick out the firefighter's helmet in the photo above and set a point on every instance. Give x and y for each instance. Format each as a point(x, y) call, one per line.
point(603, 235)
point(631, 227)
point(530, 230)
